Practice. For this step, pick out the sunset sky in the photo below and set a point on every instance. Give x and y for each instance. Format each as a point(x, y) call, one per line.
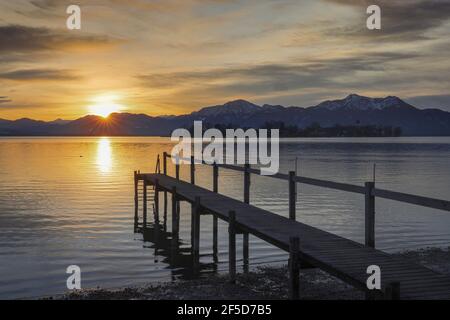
point(175, 56)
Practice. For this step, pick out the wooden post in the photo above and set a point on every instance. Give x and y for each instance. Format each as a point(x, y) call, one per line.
point(294, 268)
point(175, 213)
point(144, 205)
point(136, 200)
point(192, 170)
point(247, 183)
point(215, 178)
point(165, 192)
point(245, 252)
point(215, 219)
point(393, 291)
point(369, 215)
point(246, 200)
point(177, 168)
point(292, 196)
point(156, 217)
point(196, 226)
point(232, 245)
point(165, 163)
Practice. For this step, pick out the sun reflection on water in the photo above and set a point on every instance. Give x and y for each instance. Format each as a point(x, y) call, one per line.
point(104, 155)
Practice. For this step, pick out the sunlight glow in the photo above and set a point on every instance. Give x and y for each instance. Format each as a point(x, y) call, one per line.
point(104, 155)
point(105, 105)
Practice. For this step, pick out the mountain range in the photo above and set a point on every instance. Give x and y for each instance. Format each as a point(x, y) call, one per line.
point(354, 110)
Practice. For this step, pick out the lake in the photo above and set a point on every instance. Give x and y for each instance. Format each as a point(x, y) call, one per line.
point(69, 201)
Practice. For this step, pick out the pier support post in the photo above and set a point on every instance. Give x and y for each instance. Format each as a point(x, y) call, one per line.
point(192, 170)
point(294, 268)
point(196, 227)
point(247, 201)
point(393, 291)
point(232, 245)
point(156, 217)
point(292, 196)
point(369, 215)
point(165, 192)
point(165, 163)
point(175, 218)
point(245, 251)
point(136, 200)
point(215, 219)
point(144, 205)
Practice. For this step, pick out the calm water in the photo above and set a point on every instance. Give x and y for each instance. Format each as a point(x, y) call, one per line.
point(67, 201)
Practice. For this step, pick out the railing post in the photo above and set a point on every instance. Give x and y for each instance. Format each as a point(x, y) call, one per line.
point(175, 218)
point(144, 205)
point(215, 178)
point(192, 170)
point(156, 202)
point(292, 196)
point(136, 200)
point(165, 163)
point(247, 183)
point(232, 245)
point(196, 229)
point(369, 215)
point(393, 291)
point(294, 268)
point(177, 168)
point(215, 219)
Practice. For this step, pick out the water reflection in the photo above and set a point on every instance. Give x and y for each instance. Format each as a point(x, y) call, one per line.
point(104, 155)
point(177, 256)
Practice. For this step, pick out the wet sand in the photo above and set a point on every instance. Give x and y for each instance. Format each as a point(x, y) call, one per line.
point(263, 283)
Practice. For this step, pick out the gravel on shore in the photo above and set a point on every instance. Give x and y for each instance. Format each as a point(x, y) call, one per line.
point(265, 283)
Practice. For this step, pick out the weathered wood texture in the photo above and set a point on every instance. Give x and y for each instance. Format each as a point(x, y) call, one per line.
point(343, 258)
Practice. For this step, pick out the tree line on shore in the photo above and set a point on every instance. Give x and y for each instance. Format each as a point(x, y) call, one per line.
point(316, 130)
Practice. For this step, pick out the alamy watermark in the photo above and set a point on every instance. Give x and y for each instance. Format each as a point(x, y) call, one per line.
point(236, 146)
point(73, 22)
point(74, 280)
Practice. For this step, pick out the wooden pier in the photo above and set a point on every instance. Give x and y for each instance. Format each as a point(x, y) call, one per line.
point(306, 245)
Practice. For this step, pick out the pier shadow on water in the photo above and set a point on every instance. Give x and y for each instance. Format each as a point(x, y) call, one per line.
point(176, 253)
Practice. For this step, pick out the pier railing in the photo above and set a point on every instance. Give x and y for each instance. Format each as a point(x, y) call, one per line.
point(369, 190)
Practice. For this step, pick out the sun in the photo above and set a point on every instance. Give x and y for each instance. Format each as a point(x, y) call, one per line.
point(105, 105)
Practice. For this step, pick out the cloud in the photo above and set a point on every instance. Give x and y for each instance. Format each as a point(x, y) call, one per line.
point(295, 82)
point(39, 74)
point(22, 39)
point(4, 99)
point(401, 20)
point(431, 101)
point(276, 76)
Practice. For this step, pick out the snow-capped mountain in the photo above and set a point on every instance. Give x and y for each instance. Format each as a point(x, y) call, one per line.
point(357, 102)
point(237, 107)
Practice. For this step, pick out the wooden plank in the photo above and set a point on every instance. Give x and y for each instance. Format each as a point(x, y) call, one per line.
point(331, 185)
point(413, 199)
